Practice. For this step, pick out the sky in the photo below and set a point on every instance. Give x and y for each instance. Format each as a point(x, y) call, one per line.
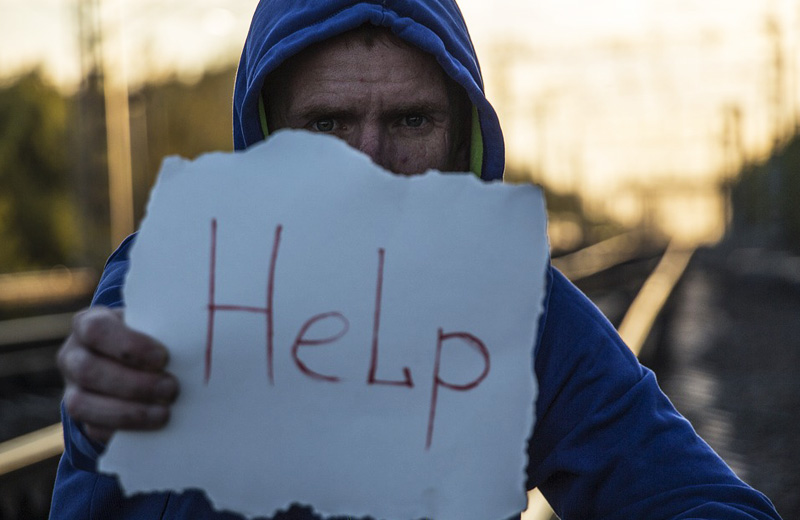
point(160, 37)
point(185, 35)
point(606, 97)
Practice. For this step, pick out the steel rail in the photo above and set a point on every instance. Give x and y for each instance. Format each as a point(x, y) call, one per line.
point(31, 448)
point(29, 345)
point(600, 256)
point(46, 287)
point(650, 299)
point(36, 329)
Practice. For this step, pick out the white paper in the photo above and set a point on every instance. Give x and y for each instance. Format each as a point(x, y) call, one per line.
point(297, 232)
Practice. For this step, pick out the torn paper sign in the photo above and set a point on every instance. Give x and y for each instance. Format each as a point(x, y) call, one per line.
point(345, 338)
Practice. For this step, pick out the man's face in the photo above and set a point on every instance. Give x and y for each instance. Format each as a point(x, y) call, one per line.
point(380, 95)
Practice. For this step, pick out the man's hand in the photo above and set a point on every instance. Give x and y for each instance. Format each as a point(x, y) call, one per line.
point(114, 376)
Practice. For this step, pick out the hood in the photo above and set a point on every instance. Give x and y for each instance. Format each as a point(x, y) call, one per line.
point(282, 28)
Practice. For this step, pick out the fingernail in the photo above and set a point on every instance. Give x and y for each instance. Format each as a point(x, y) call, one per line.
point(157, 357)
point(158, 415)
point(167, 389)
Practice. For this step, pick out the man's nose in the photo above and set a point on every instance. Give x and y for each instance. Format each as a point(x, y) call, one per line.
point(371, 140)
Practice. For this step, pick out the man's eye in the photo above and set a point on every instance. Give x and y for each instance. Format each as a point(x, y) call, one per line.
point(323, 125)
point(414, 121)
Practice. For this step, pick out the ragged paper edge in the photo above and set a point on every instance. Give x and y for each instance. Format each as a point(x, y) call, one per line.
point(173, 166)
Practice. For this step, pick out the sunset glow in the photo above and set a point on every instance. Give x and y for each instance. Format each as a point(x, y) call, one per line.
point(607, 98)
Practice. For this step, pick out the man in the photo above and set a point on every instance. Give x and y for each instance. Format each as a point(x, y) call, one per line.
point(399, 81)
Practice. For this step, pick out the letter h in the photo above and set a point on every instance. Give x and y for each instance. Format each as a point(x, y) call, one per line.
point(214, 307)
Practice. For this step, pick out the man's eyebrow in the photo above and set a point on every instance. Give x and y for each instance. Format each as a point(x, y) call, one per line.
point(313, 110)
point(325, 109)
point(418, 108)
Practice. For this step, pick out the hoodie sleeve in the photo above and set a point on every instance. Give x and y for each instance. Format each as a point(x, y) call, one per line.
point(607, 442)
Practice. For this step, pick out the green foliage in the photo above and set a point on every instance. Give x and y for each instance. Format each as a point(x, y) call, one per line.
point(790, 191)
point(765, 197)
point(176, 118)
point(750, 198)
point(37, 218)
point(52, 154)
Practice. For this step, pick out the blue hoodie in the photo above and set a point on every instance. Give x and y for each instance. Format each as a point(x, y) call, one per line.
point(606, 443)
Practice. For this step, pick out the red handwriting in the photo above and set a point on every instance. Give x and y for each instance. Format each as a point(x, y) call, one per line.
point(373, 364)
point(437, 381)
point(301, 341)
point(302, 338)
point(213, 307)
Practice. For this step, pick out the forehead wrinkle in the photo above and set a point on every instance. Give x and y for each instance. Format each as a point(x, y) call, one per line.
point(343, 52)
point(360, 84)
point(328, 87)
point(326, 59)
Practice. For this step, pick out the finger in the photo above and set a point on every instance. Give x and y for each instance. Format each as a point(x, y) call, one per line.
point(95, 373)
point(98, 434)
point(99, 412)
point(104, 331)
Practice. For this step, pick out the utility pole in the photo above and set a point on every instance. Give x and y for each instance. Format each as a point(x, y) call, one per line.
point(732, 146)
point(777, 65)
point(505, 57)
point(777, 101)
point(732, 159)
point(118, 132)
point(793, 71)
point(88, 138)
point(540, 112)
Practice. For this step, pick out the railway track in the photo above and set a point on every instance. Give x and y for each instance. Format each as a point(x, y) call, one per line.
point(629, 285)
point(30, 386)
point(30, 391)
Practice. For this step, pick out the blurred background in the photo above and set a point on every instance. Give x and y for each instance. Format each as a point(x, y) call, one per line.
point(652, 125)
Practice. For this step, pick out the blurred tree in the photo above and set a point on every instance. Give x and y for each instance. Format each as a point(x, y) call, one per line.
point(87, 142)
point(52, 154)
point(790, 191)
point(764, 198)
point(37, 216)
point(178, 118)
